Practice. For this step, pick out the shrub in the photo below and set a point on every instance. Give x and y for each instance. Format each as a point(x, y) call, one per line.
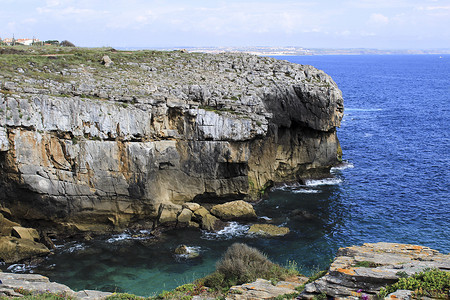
point(241, 264)
point(66, 43)
point(431, 283)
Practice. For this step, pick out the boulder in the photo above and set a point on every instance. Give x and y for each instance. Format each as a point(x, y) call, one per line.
point(268, 230)
point(107, 61)
point(13, 249)
point(187, 252)
point(185, 216)
point(6, 225)
point(191, 205)
point(211, 223)
point(200, 213)
point(25, 233)
point(168, 212)
point(234, 210)
point(366, 269)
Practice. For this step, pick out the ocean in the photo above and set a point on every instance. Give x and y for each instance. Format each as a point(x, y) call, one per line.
point(395, 187)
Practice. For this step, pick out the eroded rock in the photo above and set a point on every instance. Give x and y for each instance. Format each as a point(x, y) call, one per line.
point(370, 267)
point(13, 249)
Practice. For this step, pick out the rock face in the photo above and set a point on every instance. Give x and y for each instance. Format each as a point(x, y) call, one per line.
point(87, 147)
point(366, 269)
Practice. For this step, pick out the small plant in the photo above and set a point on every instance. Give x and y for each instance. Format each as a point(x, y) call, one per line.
point(432, 283)
point(317, 275)
point(123, 296)
point(366, 264)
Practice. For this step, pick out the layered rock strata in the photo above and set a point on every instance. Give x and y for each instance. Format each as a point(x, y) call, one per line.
point(363, 270)
point(89, 147)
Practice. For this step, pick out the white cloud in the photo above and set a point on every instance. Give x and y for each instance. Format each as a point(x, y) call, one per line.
point(378, 19)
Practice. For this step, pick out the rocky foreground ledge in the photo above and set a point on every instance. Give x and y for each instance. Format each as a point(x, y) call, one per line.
point(357, 272)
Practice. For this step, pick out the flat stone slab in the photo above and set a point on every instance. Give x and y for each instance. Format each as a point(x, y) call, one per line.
point(40, 284)
point(263, 289)
point(366, 269)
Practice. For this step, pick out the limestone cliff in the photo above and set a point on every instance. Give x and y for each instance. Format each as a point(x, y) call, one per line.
point(97, 147)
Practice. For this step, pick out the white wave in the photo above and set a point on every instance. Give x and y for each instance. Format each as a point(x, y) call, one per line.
point(119, 237)
point(305, 191)
point(286, 186)
point(342, 166)
point(265, 218)
point(325, 181)
point(20, 268)
point(75, 248)
point(234, 229)
point(126, 235)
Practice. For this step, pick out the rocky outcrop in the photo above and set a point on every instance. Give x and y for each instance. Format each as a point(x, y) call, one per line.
point(18, 243)
point(268, 230)
point(364, 270)
point(12, 284)
point(89, 147)
point(234, 210)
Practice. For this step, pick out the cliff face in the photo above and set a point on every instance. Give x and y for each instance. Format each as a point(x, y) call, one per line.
point(97, 147)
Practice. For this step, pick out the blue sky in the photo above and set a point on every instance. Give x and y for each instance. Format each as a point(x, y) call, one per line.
point(382, 24)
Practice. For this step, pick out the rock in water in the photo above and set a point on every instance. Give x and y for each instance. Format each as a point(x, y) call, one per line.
point(234, 210)
point(165, 128)
point(268, 230)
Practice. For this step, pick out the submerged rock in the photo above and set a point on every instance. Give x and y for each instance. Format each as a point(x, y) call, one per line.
point(268, 230)
point(366, 269)
point(187, 252)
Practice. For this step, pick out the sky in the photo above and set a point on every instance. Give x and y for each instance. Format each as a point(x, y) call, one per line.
point(381, 24)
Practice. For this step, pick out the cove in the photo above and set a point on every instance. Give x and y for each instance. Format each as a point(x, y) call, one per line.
point(395, 189)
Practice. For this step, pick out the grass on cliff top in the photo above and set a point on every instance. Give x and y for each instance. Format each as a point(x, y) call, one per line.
point(56, 58)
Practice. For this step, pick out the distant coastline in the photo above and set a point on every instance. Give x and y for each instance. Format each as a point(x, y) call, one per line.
point(297, 51)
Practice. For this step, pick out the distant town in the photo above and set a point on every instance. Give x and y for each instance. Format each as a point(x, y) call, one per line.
point(262, 51)
point(33, 42)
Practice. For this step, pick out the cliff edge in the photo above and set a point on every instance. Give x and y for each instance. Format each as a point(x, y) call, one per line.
point(96, 143)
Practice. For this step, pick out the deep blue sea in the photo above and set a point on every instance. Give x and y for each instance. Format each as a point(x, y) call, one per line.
point(396, 187)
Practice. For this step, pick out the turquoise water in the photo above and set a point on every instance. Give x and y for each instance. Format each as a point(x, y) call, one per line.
point(395, 188)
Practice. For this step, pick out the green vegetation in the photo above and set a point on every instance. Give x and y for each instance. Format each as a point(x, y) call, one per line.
point(124, 296)
point(431, 283)
point(241, 264)
point(317, 275)
point(366, 264)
